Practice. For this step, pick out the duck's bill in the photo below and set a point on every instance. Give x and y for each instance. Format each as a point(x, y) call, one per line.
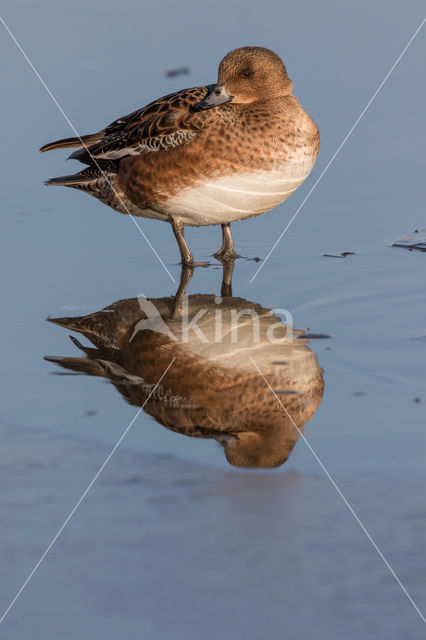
point(216, 96)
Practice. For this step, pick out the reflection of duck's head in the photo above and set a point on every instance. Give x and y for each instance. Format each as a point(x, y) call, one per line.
point(213, 388)
point(253, 450)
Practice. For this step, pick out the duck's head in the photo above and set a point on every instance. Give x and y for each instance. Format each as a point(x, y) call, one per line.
point(247, 75)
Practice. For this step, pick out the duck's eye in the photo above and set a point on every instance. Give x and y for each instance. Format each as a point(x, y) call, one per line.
point(247, 73)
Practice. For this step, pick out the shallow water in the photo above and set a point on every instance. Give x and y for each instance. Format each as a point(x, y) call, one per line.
point(171, 541)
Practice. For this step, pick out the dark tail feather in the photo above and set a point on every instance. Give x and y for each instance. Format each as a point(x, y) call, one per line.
point(81, 324)
point(89, 326)
point(76, 180)
point(80, 365)
point(80, 180)
point(93, 328)
point(73, 142)
point(95, 182)
point(73, 324)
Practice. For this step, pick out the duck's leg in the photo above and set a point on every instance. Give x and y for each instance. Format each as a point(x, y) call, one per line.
point(226, 252)
point(186, 255)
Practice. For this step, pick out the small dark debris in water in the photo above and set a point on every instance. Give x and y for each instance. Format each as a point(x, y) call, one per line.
point(314, 336)
point(341, 254)
point(417, 400)
point(327, 348)
point(286, 392)
point(415, 241)
point(419, 338)
point(358, 393)
point(180, 71)
point(90, 412)
point(64, 373)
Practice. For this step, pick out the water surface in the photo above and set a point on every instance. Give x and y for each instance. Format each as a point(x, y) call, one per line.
point(172, 541)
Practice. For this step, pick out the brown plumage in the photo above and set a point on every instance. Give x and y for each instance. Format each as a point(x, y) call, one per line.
point(206, 155)
point(212, 389)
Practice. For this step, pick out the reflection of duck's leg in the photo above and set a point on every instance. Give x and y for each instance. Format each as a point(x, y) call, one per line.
point(185, 279)
point(226, 252)
point(228, 270)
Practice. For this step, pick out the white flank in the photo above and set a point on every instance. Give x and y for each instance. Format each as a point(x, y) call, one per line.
point(236, 197)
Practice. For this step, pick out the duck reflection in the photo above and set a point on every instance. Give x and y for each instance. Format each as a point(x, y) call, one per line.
point(212, 389)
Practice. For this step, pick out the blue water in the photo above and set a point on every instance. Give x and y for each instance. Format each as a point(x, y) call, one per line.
point(172, 542)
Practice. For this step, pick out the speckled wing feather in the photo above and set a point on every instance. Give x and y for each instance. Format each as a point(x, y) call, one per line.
point(167, 122)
